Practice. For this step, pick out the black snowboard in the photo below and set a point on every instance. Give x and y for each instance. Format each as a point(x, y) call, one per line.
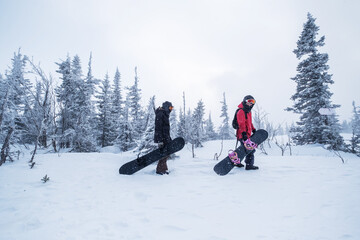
point(224, 166)
point(133, 166)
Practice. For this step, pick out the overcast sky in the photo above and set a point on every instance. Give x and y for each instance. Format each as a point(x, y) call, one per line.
point(203, 48)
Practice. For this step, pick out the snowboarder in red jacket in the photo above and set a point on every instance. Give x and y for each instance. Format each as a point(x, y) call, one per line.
point(246, 128)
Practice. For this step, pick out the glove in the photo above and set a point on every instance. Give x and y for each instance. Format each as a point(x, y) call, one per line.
point(244, 136)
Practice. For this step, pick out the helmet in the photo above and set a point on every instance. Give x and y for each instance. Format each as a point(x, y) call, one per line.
point(248, 99)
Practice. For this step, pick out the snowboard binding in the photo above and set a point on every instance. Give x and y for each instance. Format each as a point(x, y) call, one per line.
point(234, 157)
point(250, 145)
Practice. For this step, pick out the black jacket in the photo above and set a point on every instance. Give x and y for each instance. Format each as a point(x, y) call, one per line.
point(162, 126)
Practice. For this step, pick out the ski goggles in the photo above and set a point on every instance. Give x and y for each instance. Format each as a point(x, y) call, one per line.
point(252, 101)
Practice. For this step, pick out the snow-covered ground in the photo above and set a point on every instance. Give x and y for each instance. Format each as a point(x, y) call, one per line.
point(310, 195)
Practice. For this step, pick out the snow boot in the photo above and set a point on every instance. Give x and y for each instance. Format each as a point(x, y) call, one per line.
point(240, 165)
point(251, 167)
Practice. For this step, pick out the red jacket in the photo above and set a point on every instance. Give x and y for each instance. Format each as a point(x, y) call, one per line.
point(245, 123)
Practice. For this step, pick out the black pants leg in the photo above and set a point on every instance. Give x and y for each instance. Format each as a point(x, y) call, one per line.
point(250, 159)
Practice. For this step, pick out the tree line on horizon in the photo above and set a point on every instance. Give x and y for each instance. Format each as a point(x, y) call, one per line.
point(84, 113)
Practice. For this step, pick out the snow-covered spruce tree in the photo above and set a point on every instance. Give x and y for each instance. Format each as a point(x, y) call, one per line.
point(105, 125)
point(15, 104)
point(85, 136)
point(147, 144)
point(173, 124)
point(20, 97)
point(125, 139)
point(7, 119)
point(90, 82)
point(181, 125)
point(355, 125)
point(134, 108)
point(117, 103)
point(209, 129)
point(225, 132)
point(197, 134)
point(312, 92)
point(76, 109)
point(65, 94)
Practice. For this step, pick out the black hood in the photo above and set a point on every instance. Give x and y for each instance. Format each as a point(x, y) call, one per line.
point(166, 106)
point(246, 107)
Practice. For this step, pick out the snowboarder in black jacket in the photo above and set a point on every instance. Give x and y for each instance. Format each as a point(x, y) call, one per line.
point(162, 133)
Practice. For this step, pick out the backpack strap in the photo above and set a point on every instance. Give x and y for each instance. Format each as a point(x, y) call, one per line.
point(236, 112)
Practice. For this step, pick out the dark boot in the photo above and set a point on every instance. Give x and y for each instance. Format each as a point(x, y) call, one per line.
point(251, 167)
point(240, 165)
point(161, 167)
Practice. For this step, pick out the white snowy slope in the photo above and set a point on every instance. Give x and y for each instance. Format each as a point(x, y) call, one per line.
point(309, 195)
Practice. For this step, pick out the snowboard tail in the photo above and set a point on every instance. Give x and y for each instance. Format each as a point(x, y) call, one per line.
point(141, 162)
point(226, 165)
